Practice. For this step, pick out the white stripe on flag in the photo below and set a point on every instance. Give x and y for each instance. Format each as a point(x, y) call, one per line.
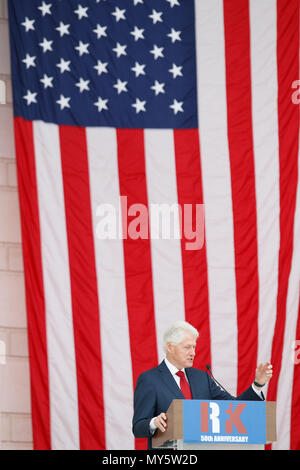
point(166, 254)
point(116, 358)
point(59, 321)
point(285, 382)
point(212, 115)
point(263, 26)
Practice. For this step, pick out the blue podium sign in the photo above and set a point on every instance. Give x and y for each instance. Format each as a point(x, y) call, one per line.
point(240, 422)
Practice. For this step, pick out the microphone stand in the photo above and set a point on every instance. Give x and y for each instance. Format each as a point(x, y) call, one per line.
point(218, 383)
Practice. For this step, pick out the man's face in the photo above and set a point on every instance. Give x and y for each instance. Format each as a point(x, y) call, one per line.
point(183, 354)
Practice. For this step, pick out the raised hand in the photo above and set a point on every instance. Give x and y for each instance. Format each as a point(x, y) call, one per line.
point(263, 373)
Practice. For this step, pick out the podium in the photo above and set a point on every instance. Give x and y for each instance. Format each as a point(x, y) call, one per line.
point(217, 425)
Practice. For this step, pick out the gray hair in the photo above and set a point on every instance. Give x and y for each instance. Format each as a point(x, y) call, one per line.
point(175, 333)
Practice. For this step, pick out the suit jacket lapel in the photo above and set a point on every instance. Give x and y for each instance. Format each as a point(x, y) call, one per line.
point(169, 380)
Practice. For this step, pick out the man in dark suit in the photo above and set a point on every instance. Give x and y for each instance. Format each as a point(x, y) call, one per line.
point(176, 378)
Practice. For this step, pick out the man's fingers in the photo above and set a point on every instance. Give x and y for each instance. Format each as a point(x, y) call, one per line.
point(160, 422)
point(269, 371)
point(161, 427)
point(264, 367)
point(268, 368)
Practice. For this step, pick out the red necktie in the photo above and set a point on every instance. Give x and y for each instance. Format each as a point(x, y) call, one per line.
point(184, 385)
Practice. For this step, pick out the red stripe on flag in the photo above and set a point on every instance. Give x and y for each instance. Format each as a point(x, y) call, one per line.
point(295, 413)
point(288, 127)
point(84, 292)
point(35, 301)
point(240, 139)
point(137, 257)
point(194, 263)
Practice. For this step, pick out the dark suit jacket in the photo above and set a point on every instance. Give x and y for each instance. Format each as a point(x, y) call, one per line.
point(156, 388)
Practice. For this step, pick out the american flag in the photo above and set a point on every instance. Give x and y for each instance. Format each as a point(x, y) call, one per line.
point(161, 101)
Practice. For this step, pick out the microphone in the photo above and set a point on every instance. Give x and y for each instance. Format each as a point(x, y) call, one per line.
point(209, 370)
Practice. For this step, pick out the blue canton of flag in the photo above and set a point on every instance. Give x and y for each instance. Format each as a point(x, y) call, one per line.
point(118, 63)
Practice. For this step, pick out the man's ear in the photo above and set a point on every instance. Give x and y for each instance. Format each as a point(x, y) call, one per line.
point(169, 347)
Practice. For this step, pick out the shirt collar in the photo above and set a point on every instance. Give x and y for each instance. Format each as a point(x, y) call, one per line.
point(173, 369)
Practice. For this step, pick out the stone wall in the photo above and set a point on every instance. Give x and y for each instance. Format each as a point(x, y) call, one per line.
point(15, 412)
